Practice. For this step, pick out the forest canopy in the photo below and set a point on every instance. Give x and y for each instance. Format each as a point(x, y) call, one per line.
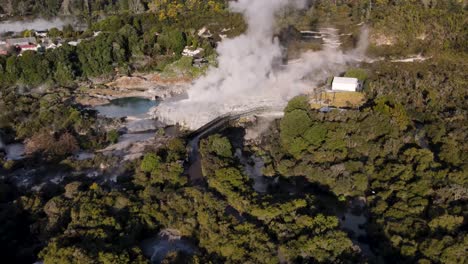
point(402, 155)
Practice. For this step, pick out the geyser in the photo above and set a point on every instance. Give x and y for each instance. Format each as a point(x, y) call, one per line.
point(247, 77)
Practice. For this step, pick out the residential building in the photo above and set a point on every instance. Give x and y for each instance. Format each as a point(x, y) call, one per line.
point(14, 42)
point(31, 47)
point(74, 43)
point(41, 34)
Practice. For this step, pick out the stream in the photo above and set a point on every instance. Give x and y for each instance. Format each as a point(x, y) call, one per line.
point(14, 151)
point(137, 132)
point(195, 171)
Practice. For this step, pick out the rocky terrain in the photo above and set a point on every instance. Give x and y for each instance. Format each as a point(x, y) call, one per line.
point(139, 85)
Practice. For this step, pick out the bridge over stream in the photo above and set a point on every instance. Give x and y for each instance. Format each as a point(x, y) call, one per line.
point(223, 120)
point(195, 168)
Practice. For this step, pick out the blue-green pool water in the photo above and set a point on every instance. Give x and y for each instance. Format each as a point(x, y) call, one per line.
point(130, 106)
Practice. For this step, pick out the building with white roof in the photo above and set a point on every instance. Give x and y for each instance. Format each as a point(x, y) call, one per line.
point(41, 34)
point(74, 43)
point(345, 84)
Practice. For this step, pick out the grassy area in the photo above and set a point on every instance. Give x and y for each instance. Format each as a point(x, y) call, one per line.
point(336, 99)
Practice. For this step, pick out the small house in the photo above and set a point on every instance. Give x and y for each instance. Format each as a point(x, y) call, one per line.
point(74, 43)
point(345, 84)
point(41, 34)
point(52, 45)
point(3, 50)
point(14, 42)
point(28, 47)
point(47, 43)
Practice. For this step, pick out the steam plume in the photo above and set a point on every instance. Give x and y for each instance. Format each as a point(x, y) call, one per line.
point(247, 77)
point(36, 24)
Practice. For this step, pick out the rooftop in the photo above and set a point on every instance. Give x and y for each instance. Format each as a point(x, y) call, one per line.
point(17, 41)
point(345, 80)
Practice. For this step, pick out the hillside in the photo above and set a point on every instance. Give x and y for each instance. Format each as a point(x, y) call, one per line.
point(69, 7)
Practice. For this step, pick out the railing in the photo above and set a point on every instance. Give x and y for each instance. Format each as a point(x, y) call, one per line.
point(226, 118)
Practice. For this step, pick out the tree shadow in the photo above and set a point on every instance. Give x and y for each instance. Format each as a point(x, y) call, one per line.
point(375, 246)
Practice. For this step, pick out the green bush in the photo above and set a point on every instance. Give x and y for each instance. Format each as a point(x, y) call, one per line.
point(360, 74)
point(172, 40)
point(316, 134)
point(298, 103)
point(150, 163)
point(220, 146)
point(295, 123)
point(112, 136)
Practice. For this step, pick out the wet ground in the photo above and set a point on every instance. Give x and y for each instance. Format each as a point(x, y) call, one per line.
point(14, 151)
point(253, 167)
point(138, 132)
point(166, 241)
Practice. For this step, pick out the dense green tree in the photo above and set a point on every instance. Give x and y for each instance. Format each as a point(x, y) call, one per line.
point(316, 134)
point(151, 162)
point(172, 40)
point(102, 55)
point(220, 146)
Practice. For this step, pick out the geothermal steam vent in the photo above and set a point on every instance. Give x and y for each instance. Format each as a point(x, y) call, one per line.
point(246, 77)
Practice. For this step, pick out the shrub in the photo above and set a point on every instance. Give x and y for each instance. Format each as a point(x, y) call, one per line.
point(172, 41)
point(360, 74)
point(44, 142)
point(150, 163)
point(295, 123)
point(316, 134)
point(298, 103)
point(112, 136)
point(220, 146)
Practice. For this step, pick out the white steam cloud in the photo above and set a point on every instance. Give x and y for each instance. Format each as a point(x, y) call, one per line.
point(36, 24)
point(248, 75)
